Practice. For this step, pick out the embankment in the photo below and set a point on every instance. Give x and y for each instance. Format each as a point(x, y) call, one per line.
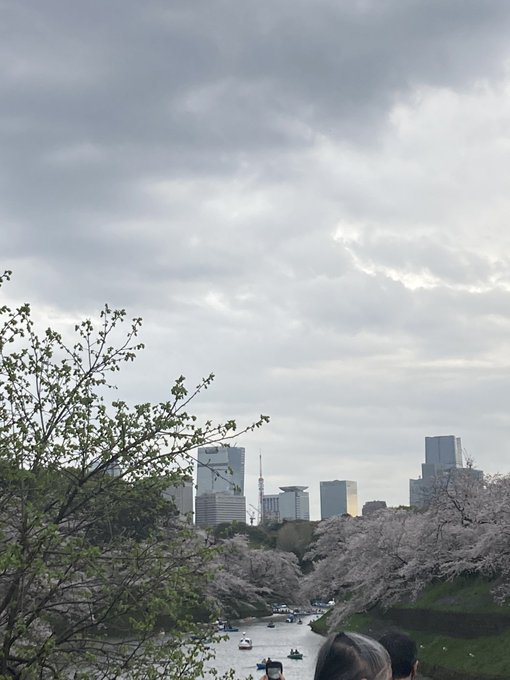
point(462, 634)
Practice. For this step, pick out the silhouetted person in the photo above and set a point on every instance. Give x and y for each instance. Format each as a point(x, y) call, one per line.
point(403, 654)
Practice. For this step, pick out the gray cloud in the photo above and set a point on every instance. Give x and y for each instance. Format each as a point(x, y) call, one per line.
point(308, 199)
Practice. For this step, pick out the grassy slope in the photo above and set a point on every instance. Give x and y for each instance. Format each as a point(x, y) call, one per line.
point(485, 657)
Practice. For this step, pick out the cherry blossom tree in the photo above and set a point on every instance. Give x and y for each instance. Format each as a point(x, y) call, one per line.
point(254, 575)
point(392, 555)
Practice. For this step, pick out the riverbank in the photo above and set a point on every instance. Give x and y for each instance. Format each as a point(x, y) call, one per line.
point(461, 633)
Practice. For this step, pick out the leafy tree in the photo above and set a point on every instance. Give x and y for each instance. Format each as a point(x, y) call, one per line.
point(88, 545)
point(295, 536)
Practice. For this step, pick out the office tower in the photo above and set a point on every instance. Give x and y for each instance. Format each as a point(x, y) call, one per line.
point(182, 497)
point(220, 473)
point(338, 497)
point(219, 469)
point(443, 460)
point(417, 493)
point(294, 503)
point(442, 453)
point(372, 506)
point(271, 507)
point(216, 508)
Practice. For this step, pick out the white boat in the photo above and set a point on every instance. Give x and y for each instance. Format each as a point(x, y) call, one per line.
point(245, 642)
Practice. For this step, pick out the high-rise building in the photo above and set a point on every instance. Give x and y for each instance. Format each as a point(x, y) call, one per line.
point(216, 508)
point(443, 458)
point(338, 497)
point(294, 503)
point(182, 497)
point(271, 507)
point(220, 474)
point(442, 453)
point(219, 469)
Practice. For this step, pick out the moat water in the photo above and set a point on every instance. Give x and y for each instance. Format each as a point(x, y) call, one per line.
point(275, 643)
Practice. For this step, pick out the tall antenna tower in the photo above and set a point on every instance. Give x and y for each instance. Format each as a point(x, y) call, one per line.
point(261, 492)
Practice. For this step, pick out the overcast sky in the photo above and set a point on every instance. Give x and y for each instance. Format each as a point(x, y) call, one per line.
point(309, 198)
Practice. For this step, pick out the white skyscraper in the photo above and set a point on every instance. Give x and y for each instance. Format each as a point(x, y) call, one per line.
point(212, 509)
point(339, 497)
point(294, 503)
point(271, 507)
point(220, 485)
point(219, 469)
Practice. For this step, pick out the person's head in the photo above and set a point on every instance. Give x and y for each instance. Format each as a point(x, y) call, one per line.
point(351, 656)
point(403, 653)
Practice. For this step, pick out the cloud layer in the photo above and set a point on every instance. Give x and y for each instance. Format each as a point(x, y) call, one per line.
point(309, 199)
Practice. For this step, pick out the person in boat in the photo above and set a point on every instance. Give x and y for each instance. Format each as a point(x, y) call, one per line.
point(351, 656)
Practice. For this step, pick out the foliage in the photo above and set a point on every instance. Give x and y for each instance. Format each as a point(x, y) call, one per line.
point(296, 537)
point(258, 536)
point(87, 543)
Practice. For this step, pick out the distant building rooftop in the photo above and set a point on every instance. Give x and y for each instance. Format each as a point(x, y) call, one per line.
point(293, 488)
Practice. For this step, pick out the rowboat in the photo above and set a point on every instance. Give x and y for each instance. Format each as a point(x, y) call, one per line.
point(295, 655)
point(245, 642)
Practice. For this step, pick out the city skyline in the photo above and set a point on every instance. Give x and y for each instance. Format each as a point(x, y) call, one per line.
point(439, 452)
point(428, 443)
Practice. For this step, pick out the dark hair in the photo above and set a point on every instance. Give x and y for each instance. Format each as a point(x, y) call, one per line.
point(403, 652)
point(351, 656)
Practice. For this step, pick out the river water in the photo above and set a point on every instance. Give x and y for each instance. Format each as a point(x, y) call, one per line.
point(274, 642)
